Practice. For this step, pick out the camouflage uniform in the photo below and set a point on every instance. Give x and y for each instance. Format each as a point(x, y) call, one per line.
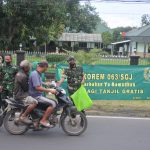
point(74, 78)
point(8, 73)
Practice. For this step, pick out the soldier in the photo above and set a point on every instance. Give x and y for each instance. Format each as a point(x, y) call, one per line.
point(74, 75)
point(8, 72)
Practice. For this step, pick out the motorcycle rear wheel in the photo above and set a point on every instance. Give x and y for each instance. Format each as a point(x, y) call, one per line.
point(11, 126)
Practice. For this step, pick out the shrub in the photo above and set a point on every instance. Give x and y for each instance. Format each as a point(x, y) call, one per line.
point(91, 57)
point(51, 58)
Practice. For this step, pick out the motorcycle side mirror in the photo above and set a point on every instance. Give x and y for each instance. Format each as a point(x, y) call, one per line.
point(52, 84)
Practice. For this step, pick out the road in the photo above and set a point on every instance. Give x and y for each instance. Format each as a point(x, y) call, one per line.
point(102, 134)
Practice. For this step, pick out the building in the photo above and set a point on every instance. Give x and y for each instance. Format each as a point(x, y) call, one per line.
point(78, 41)
point(120, 48)
point(139, 41)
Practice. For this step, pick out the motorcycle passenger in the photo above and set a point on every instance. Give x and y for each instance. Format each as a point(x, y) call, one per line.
point(21, 91)
point(36, 90)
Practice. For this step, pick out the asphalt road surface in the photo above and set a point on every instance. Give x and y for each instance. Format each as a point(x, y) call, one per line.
point(101, 134)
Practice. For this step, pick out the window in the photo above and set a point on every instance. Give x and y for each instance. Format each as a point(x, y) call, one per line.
point(83, 45)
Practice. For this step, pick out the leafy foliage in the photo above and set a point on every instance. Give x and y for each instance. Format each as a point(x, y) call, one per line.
point(145, 19)
point(81, 17)
point(51, 58)
point(107, 38)
point(117, 33)
point(91, 57)
point(23, 18)
point(44, 20)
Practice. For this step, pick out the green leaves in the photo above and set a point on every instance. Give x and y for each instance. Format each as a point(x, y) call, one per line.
point(55, 58)
point(81, 17)
point(91, 57)
point(43, 19)
point(107, 38)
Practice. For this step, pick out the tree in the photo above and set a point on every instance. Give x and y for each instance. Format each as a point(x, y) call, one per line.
point(23, 18)
point(117, 36)
point(81, 17)
point(145, 19)
point(107, 38)
point(102, 27)
point(43, 19)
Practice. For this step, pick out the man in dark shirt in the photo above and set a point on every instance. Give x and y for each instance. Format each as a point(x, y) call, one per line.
point(21, 90)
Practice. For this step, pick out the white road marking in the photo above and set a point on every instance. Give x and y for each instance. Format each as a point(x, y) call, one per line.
point(112, 117)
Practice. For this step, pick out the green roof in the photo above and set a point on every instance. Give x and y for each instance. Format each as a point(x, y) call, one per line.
point(139, 32)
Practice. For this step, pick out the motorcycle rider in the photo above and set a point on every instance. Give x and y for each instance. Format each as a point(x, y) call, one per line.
point(21, 90)
point(36, 90)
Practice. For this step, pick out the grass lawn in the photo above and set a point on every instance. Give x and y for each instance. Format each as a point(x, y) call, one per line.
point(121, 108)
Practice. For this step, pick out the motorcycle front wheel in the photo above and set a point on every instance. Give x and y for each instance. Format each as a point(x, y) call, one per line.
point(11, 126)
point(75, 124)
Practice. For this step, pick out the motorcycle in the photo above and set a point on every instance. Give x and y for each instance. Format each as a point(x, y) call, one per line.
point(73, 122)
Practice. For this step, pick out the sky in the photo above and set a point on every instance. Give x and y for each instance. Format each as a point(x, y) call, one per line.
point(117, 14)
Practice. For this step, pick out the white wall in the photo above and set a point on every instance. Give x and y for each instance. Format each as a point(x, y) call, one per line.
point(133, 46)
point(140, 47)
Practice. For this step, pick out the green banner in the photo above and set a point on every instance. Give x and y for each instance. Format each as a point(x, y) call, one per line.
point(114, 82)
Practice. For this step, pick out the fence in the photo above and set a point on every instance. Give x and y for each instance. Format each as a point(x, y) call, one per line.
point(120, 60)
point(102, 59)
point(31, 56)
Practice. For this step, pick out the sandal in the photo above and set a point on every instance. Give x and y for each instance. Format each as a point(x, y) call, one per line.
point(46, 124)
point(25, 120)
